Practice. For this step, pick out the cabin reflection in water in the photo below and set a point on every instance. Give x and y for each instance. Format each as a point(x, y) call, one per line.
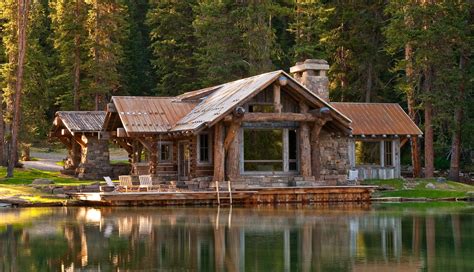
point(232, 239)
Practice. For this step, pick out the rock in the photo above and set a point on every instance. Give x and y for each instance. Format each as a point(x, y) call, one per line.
point(430, 186)
point(441, 179)
point(58, 191)
point(5, 205)
point(42, 181)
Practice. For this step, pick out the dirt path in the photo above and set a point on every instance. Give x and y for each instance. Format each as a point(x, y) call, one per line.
point(46, 161)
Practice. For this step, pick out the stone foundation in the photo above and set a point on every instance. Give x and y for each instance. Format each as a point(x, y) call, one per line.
point(334, 158)
point(95, 159)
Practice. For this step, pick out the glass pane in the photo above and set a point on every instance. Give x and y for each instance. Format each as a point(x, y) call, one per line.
point(204, 148)
point(388, 153)
point(292, 146)
point(165, 153)
point(293, 166)
point(367, 153)
point(263, 166)
point(263, 144)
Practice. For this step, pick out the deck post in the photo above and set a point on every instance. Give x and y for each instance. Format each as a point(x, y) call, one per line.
point(315, 150)
point(305, 146)
point(153, 159)
point(218, 152)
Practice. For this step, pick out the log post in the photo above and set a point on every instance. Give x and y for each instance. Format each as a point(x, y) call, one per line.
point(153, 158)
point(218, 152)
point(277, 98)
point(233, 159)
point(315, 150)
point(305, 146)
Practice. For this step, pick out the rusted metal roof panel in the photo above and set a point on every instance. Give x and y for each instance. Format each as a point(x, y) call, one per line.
point(141, 114)
point(82, 121)
point(378, 119)
point(224, 99)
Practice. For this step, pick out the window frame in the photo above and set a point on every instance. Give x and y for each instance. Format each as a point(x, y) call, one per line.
point(209, 148)
point(386, 147)
point(285, 152)
point(170, 159)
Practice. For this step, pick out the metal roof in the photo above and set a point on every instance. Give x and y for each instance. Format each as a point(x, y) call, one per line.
point(82, 121)
point(140, 114)
point(378, 119)
point(221, 99)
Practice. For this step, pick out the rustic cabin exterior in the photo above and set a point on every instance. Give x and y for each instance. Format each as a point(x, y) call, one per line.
point(270, 130)
point(88, 155)
point(379, 130)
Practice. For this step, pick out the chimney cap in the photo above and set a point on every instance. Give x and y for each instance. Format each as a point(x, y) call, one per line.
point(310, 64)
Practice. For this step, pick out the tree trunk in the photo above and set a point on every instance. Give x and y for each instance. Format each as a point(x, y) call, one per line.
point(2, 135)
point(23, 10)
point(77, 62)
point(458, 117)
point(368, 90)
point(415, 151)
point(429, 151)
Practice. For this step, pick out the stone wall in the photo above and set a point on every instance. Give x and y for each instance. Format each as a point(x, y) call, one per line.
point(95, 159)
point(334, 158)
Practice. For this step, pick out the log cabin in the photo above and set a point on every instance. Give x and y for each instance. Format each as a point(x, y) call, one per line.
point(272, 129)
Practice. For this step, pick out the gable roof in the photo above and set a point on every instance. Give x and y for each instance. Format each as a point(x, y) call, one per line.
point(378, 119)
point(81, 121)
point(220, 100)
point(142, 114)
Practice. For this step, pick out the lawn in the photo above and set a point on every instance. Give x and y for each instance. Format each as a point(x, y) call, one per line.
point(26, 176)
point(418, 188)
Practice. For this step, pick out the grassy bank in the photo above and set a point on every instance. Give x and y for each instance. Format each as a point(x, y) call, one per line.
point(417, 188)
point(16, 189)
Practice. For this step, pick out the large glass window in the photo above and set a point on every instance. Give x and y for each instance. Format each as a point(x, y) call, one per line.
point(263, 150)
point(370, 153)
point(292, 150)
point(367, 153)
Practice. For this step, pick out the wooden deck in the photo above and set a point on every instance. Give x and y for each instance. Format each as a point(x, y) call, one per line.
point(241, 197)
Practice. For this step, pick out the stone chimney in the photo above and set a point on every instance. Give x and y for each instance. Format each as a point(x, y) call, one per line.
point(312, 74)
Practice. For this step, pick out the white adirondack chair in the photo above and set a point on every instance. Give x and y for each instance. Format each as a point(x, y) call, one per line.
point(126, 182)
point(145, 182)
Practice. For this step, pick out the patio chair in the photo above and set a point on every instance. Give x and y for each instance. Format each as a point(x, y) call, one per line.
point(146, 182)
point(126, 182)
point(353, 177)
point(110, 184)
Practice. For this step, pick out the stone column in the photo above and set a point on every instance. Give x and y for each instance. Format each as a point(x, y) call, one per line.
point(95, 159)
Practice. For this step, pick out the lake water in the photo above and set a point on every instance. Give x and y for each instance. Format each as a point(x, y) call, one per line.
point(377, 237)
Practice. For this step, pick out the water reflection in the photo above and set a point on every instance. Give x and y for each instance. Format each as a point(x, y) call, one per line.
point(266, 238)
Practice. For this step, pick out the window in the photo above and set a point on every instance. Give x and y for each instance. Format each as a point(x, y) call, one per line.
point(292, 150)
point(270, 150)
point(367, 153)
point(204, 148)
point(166, 152)
point(266, 108)
point(263, 150)
point(388, 153)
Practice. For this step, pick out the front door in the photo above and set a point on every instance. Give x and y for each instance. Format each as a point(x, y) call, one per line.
point(183, 161)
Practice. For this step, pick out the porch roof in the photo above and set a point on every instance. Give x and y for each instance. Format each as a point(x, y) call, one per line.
point(142, 114)
point(80, 121)
point(378, 119)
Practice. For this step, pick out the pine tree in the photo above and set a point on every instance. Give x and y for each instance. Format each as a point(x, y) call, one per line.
point(107, 29)
point(173, 45)
point(220, 44)
point(137, 75)
point(70, 36)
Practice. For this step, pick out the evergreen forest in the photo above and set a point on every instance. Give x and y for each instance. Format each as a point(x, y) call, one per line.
point(77, 54)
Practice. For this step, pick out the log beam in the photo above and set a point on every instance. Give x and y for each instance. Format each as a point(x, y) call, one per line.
point(276, 117)
point(218, 152)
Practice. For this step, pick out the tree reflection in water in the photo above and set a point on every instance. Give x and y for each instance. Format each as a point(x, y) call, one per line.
point(264, 238)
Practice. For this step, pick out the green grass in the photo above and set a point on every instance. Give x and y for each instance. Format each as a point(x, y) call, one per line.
point(25, 193)
point(447, 189)
point(26, 176)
